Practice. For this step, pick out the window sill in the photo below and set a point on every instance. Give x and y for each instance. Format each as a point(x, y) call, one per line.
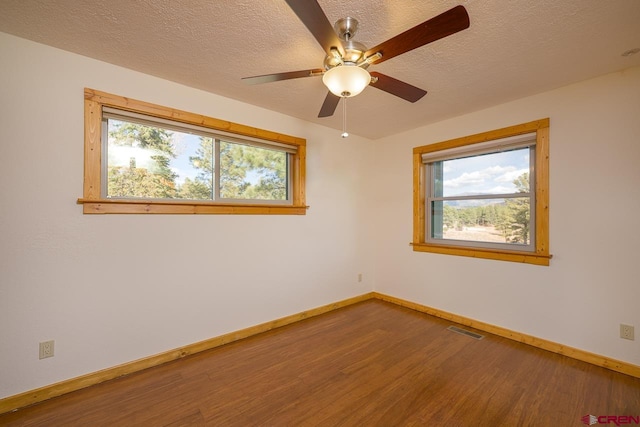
point(108, 206)
point(502, 255)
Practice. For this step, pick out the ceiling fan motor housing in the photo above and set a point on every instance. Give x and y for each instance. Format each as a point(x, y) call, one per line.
point(353, 51)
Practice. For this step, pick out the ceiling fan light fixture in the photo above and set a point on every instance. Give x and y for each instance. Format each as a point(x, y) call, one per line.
point(346, 80)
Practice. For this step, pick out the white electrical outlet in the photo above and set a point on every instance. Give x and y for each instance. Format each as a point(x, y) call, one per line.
point(626, 332)
point(46, 349)
point(359, 277)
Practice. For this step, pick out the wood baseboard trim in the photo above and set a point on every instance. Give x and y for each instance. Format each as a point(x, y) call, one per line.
point(41, 394)
point(575, 353)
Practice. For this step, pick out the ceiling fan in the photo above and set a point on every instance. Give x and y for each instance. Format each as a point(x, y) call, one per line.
point(345, 66)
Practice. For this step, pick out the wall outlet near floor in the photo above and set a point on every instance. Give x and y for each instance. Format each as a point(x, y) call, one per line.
point(626, 332)
point(359, 277)
point(46, 349)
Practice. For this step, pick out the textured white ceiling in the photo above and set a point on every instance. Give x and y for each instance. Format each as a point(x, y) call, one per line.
point(512, 49)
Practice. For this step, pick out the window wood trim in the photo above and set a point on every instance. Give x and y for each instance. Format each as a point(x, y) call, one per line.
point(93, 203)
point(541, 255)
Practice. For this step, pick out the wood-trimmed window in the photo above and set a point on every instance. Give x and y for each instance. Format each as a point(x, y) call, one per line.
point(454, 213)
point(107, 188)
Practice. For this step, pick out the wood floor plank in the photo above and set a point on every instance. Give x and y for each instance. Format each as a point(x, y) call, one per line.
point(372, 363)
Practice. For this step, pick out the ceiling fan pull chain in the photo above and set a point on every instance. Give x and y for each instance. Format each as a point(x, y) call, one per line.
point(344, 118)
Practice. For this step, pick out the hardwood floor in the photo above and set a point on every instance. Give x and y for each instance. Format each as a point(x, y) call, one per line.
point(369, 364)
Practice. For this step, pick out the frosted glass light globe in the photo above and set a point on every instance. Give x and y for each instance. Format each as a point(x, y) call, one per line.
point(346, 80)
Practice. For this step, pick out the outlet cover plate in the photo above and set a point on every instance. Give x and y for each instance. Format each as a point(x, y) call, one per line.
point(46, 349)
point(627, 332)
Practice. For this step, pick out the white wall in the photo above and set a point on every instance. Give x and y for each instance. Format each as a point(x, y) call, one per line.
point(592, 284)
point(115, 288)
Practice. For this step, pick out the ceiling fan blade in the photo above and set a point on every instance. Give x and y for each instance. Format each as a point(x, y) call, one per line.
point(329, 105)
point(267, 78)
point(443, 25)
point(396, 87)
point(313, 17)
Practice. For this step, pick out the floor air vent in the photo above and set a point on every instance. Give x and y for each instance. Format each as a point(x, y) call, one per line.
point(465, 332)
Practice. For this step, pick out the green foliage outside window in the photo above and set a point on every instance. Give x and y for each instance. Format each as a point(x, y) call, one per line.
point(246, 172)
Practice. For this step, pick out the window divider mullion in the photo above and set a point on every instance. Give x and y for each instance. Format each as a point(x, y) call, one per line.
point(216, 169)
point(482, 197)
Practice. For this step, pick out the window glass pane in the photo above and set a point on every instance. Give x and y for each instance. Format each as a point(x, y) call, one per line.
point(151, 162)
point(197, 168)
point(503, 220)
point(495, 173)
point(248, 172)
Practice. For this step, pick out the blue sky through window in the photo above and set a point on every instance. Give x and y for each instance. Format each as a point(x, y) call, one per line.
point(485, 174)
